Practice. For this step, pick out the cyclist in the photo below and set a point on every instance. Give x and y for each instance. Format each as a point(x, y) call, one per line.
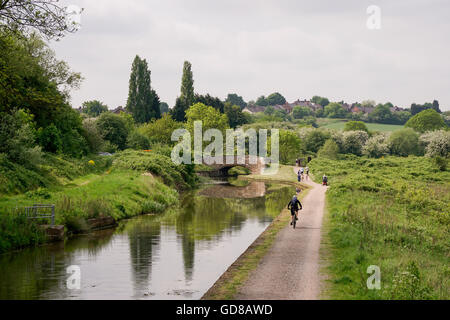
point(294, 205)
point(325, 180)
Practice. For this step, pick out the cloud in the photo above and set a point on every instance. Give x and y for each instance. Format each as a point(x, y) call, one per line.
point(299, 48)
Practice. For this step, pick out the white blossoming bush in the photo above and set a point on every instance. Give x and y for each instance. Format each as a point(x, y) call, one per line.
point(377, 146)
point(354, 141)
point(436, 143)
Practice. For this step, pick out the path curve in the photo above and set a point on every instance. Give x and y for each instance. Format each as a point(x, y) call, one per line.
point(290, 270)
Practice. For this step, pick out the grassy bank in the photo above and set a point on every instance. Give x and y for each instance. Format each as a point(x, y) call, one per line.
point(392, 213)
point(124, 186)
point(232, 280)
point(339, 124)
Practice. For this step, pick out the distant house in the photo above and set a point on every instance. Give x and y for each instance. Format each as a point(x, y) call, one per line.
point(305, 103)
point(119, 110)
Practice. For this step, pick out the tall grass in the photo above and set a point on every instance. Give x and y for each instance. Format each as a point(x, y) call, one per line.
point(16, 232)
point(392, 213)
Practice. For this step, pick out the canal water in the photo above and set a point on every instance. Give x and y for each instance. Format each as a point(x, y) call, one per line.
point(177, 255)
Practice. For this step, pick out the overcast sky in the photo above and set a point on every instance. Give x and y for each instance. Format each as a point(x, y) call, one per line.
point(253, 48)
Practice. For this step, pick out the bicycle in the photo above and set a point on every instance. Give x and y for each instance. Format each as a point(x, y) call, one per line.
point(294, 219)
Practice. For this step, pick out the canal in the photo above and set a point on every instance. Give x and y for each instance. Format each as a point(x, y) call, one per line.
point(177, 255)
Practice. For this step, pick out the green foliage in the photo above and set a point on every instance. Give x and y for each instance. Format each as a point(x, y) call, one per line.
point(17, 138)
point(387, 212)
point(210, 117)
point(441, 163)
point(239, 171)
point(160, 131)
point(16, 232)
point(180, 177)
point(178, 113)
point(236, 100)
point(138, 141)
point(92, 135)
point(377, 146)
point(330, 150)
point(315, 139)
point(290, 147)
point(302, 112)
point(114, 129)
point(94, 108)
point(208, 100)
point(428, 120)
point(354, 141)
point(334, 110)
point(143, 102)
point(356, 126)
point(404, 142)
point(50, 139)
point(187, 87)
point(436, 143)
point(320, 100)
point(272, 100)
point(235, 115)
point(163, 108)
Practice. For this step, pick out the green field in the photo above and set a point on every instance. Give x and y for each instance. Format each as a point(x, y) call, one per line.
point(393, 213)
point(339, 124)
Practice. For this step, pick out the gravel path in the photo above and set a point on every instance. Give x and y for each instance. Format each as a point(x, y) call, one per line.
point(290, 270)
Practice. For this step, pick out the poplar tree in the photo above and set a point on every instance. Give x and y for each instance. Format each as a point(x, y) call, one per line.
point(187, 98)
point(143, 102)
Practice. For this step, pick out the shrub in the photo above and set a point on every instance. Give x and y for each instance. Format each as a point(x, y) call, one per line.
point(441, 163)
point(138, 141)
point(50, 139)
point(114, 129)
point(377, 146)
point(92, 135)
point(330, 150)
point(315, 140)
point(436, 143)
point(356, 126)
point(160, 131)
point(353, 141)
point(290, 147)
point(404, 142)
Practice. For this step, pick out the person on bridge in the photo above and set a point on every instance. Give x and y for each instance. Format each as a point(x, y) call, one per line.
point(294, 205)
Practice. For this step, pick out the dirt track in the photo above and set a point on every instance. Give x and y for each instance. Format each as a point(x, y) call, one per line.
point(290, 270)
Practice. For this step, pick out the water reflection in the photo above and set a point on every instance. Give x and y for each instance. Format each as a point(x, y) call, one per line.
point(178, 255)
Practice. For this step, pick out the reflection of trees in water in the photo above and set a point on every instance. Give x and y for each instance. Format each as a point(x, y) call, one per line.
point(40, 273)
point(144, 237)
point(207, 219)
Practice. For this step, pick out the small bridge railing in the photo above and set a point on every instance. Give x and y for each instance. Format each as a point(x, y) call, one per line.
point(40, 211)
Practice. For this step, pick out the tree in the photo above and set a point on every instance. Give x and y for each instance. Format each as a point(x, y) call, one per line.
point(261, 101)
point(404, 142)
point(143, 102)
point(356, 126)
point(138, 141)
point(45, 16)
point(353, 141)
point(320, 100)
point(334, 110)
point(330, 150)
point(160, 131)
point(269, 111)
point(113, 128)
point(436, 106)
point(382, 114)
point(427, 120)
point(235, 115)
point(163, 108)
point(92, 135)
point(302, 112)
point(236, 100)
point(315, 139)
point(187, 85)
point(208, 100)
point(179, 111)
point(275, 99)
point(211, 118)
point(290, 147)
point(94, 108)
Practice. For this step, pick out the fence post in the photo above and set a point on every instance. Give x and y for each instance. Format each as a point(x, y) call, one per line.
point(53, 215)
